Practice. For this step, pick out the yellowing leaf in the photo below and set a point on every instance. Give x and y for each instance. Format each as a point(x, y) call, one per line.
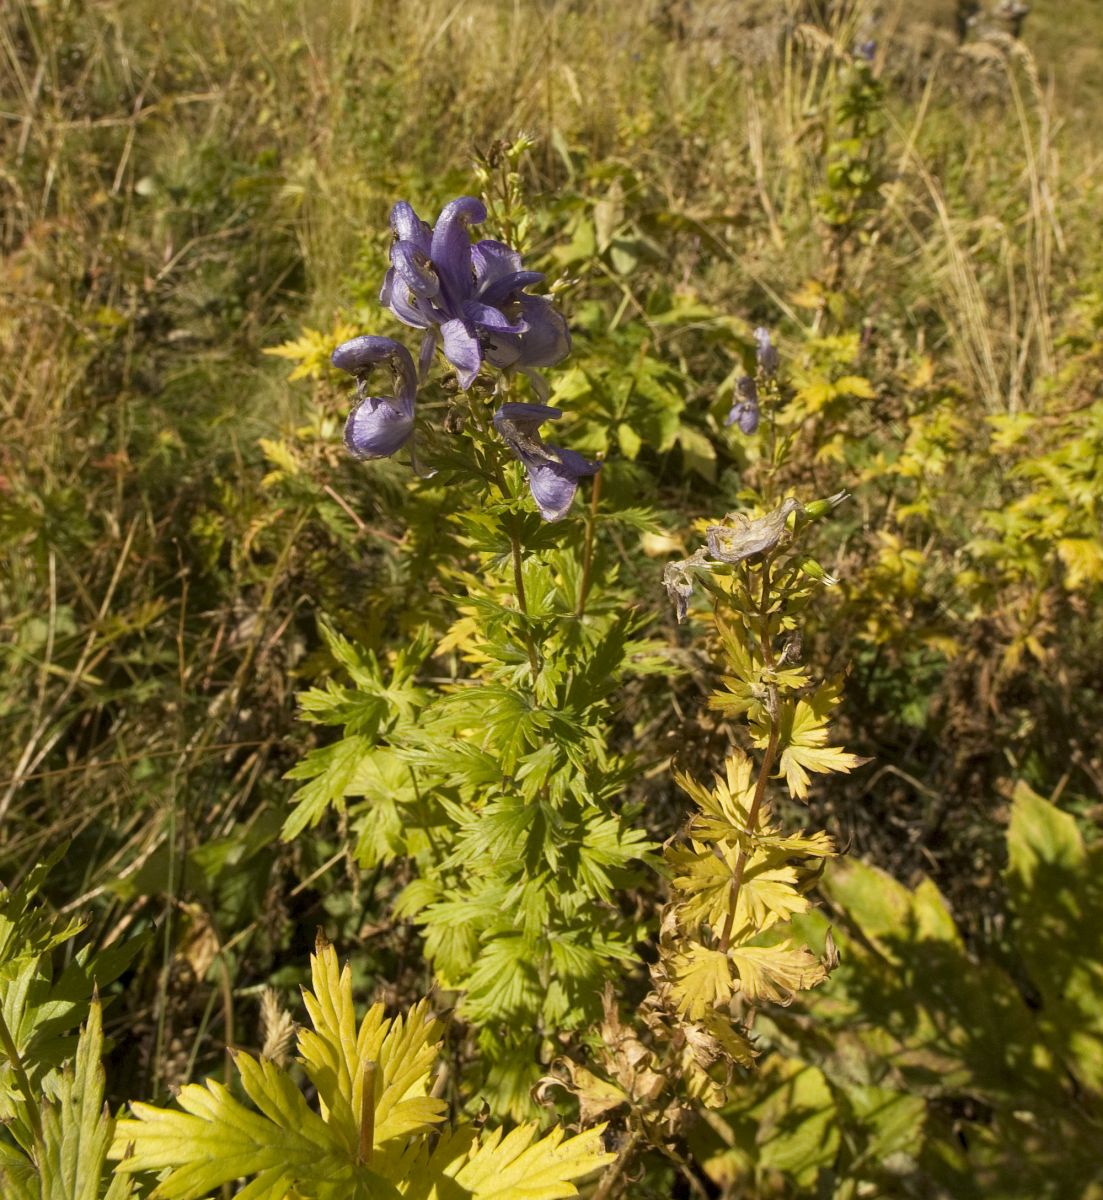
point(596, 1096)
point(855, 385)
point(364, 1144)
point(702, 980)
point(312, 350)
point(816, 395)
point(776, 973)
point(924, 373)
point(808, 295)
point(334, 1055)
point(805, 749)
point(516, 1167)
point(216, 1139)
point(1083, 559)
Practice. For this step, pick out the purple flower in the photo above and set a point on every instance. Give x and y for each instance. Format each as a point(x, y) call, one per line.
point(552, 471)
point(472, 293)
point(767, 354)
point(378, 426)
point(866, 51)
point(744, 411)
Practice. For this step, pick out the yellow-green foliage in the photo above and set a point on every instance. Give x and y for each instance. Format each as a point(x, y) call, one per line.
point(978, 1073)
point(193, 203)
point(739, 879)
point(378, 1132)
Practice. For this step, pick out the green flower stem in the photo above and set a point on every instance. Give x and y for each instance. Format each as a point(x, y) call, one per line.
point(7, 1042)
point(515, 545)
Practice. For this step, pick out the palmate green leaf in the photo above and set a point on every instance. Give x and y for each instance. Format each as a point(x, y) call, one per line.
point(76, 1133)
point(330, 771)
point(504, 980)
point(42, 1011)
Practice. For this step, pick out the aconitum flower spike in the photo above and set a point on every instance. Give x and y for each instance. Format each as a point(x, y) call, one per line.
point(553, 472)
point(766, 352)
point(378, 426)
point(474, 294)
point(744, 411)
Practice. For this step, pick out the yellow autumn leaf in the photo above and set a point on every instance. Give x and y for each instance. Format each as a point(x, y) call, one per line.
point(1083, 561)
point(776, 973)
point(805, 749)
point(702, 980)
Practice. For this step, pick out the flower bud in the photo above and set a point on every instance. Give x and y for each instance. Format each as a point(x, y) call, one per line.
point(820, 508)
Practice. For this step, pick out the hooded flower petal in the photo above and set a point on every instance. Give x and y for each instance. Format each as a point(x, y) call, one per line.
point(413, 265)
point(545, 342)
point(484, 316)
point(518, 425)
point(451, 251)
point(766, 352)
point(358, 355)
point(492, 260)
point(498, 272)
point(461, 348)
point(396, 295)
point(501, 289)
point(744, 411)
point(378, 426)
point(553, 472)
point(745, 415)
point(407, 226)
point(554, 483)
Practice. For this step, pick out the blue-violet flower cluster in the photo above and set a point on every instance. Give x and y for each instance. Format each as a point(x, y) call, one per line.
point(471, 297)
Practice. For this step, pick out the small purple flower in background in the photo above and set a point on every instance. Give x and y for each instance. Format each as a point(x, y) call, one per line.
point(474, 294)
point(766, 353)
point(378, 426)
point(744, 412)
point(866, 51)
point(553, 472)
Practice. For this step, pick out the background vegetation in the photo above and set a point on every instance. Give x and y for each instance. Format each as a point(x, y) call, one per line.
point(188, 187)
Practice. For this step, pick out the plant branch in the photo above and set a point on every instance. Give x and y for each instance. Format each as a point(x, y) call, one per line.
point(767, 762)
